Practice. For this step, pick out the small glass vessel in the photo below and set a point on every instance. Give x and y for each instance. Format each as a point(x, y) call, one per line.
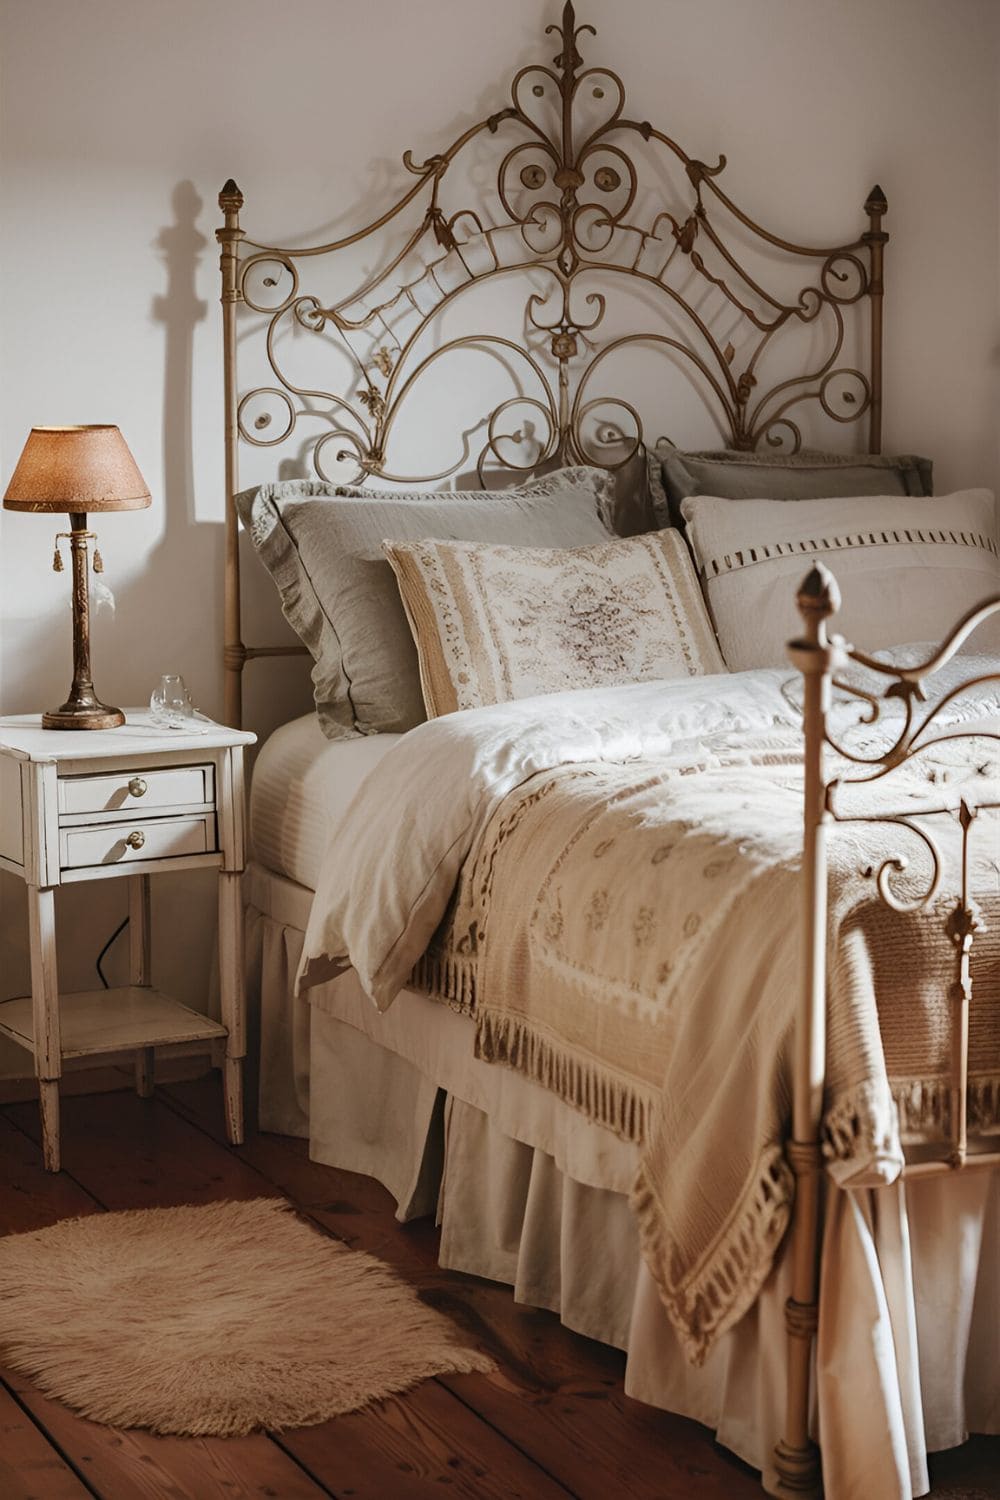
point(170, 703)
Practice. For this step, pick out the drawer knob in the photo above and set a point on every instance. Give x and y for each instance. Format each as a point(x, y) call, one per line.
point(136, 839)
point(137, 787)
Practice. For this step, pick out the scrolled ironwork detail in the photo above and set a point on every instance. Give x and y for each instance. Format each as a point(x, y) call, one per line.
point(264, 418)
point(933, 806)
point(571, 204)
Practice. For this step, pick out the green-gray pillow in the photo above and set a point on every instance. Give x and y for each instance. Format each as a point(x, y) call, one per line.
point(632, 509)
point(807, 475)
point(322, 545)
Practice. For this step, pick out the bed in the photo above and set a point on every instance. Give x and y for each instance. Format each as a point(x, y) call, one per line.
point(532, 1165)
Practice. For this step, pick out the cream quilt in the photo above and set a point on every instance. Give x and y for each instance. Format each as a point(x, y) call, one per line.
point(608, 882)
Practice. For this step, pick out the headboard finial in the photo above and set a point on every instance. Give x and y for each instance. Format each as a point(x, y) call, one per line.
point(569, 62)
point(876, 203)
point(230, 199)
point(819, 595)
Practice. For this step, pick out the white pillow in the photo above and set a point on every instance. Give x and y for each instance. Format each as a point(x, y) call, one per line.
point(908, 568)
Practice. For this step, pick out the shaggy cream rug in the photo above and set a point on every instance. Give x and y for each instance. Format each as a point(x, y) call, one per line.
point(213, 1320)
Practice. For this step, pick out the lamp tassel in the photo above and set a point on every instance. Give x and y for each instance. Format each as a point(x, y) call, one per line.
point(98, 561)
point(57, 562)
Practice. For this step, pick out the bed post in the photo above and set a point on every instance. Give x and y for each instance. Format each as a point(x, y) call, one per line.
point(796, 1457)
point(875, 239)
point(234, 652)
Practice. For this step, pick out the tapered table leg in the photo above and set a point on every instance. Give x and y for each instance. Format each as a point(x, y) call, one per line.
point(232, 998)
point(45, 1016)
point(140, 971)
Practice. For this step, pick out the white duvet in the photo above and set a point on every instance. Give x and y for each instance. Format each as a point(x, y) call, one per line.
point(394, 859)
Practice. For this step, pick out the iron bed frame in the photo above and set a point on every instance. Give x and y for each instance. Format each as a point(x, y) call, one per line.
point(577, 208)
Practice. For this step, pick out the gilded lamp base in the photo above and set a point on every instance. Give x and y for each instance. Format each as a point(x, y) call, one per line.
point(82, 709)
point(83, 713)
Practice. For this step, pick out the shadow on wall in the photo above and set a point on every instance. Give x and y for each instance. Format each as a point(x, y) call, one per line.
point(178, 561)
point(179, 309)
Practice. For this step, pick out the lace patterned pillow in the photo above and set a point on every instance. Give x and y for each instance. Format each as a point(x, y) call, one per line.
point(492, 623)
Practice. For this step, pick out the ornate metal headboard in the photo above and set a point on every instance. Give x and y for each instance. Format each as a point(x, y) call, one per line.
point(584, 205)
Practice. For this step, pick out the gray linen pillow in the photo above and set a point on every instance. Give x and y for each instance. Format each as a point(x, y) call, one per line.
point(322, 545)
point(807, 475)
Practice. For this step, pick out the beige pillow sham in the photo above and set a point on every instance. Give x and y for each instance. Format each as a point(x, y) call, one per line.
point(493, 623)
point(908, 568)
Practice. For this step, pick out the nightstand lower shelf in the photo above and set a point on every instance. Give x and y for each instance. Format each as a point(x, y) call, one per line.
point(103, 1022)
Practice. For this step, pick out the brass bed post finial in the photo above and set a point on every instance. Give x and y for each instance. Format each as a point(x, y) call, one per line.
point(817, 599)
point(229, 237)
point(796, 1457)
point(875, 238)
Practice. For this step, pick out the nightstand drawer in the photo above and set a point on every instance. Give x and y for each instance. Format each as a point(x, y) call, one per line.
point(120, 843)
point(143, 791)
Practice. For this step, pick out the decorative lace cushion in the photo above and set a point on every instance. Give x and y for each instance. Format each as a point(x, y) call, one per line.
point(495, 623)
point(908, 569)
point(322, 545)
point(808, 475)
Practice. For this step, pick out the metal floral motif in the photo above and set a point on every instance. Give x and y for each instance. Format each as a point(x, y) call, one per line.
point(579, 210)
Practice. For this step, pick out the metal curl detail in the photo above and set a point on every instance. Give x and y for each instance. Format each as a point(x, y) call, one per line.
point(615, 438)
point(830, 274)
point(767, 434)
point(366, 461)
point(898, 864)
point(908, 686)
point(493, 437)
point(269, 257)
point(847, 397)
point(264, 420)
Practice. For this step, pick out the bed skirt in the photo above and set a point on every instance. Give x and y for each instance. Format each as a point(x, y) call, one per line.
point(528, 1193)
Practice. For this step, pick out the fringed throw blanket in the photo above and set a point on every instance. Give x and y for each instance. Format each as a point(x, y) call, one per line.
point(609, 883)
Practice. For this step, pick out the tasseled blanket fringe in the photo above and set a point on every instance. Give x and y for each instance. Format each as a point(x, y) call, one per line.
point(924, 1106)
point(450, 977)
point(609, 1101)
point(709, 1299)
point(870, 1120)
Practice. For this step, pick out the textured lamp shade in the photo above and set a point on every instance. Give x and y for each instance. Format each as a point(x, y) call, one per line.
point(76, 470)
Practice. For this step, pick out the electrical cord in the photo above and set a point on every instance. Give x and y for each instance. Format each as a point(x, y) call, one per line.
point(101, 956)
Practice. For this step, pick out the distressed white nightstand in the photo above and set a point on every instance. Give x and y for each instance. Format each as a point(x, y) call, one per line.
point(108, 804)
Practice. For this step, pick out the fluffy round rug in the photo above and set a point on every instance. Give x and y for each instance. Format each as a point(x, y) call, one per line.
point(213, 1320)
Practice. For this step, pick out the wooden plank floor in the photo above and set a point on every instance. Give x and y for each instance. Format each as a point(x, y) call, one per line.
point(551, 1423)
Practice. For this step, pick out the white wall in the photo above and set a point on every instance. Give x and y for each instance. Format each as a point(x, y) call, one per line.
point(121, 119)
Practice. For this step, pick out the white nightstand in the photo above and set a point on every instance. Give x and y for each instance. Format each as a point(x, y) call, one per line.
point(103, 804)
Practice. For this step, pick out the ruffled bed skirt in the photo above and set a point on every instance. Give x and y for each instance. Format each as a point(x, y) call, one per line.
point(528, 1193)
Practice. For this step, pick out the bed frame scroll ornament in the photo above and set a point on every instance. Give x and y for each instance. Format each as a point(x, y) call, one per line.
point(580, 208)
point(822, 659)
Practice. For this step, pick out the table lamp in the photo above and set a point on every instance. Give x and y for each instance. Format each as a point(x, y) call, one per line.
point(76, 470)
